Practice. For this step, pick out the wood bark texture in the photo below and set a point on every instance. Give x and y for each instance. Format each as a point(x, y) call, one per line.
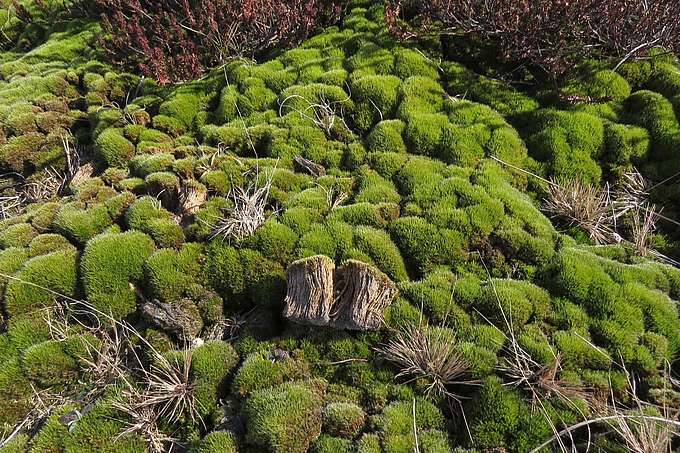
point(310, 290)
point(356, 299)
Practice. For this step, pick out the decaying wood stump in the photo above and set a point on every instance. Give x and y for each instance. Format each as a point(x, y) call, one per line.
point(363, 294)
point(313, 168)
point(355, 299)
point(180, 317)
point(310, 290)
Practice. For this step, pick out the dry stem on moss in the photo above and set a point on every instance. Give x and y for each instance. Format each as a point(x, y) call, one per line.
point(323, 114)
point(583, 206)
point(249, 212)
point(422, 352)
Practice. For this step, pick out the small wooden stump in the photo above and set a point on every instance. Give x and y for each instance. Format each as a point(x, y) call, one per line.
point(180, 317)
point(363, 294)
point(313, 168)
point(310, 290)
point(355, 299)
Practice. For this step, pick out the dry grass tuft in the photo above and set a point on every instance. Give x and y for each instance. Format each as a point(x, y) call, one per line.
point(325, 114)
point(583, 206)
point(249, 212)
point(429, 353)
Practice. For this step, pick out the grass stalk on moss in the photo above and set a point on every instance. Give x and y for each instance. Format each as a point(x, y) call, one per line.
point(322, 114)
point(638, 427)
point(162, 392)
point(249, 212)
point(536, 378)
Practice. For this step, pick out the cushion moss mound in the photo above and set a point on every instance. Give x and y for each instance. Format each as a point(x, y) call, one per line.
point(284, 419)
point(111, 265)
point(40, 280)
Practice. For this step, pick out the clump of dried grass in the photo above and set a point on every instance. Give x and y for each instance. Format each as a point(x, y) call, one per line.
point(430, 353)
point(162, 391)
point(249, 212)
point(584, 206)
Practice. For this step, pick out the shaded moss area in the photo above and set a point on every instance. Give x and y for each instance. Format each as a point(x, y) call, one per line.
point(117, 196)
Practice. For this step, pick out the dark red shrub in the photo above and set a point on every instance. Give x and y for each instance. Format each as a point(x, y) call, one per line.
point(176, 40)
point(552, 34)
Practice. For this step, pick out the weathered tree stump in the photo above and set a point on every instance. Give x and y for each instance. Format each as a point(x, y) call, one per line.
point(363, 294)
point(356, 299)
point(313, 168)
point(180, 317)
point(310, 290)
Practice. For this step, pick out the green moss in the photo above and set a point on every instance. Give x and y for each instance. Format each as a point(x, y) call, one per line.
point(274, 240)
point(599, 84)
point(143, 165)
point(660, 315)
point(354, 156)
point(655, 113)
point(373, 188)
point(54, 272)
point(435, 294)
point(520, 301)
point(18, 444)
point(286, 419)
point(17, 235)
point(258, 371)
point(183, 107)
point(499, 418)
point(52, 436)
point(134, 185)
point(170, 273)
point(376, 98)
point(386, 136)
point(328, 444)
point(409, 63)
point(332, 239)
point(424, 132)
point(211, 364)
point(23, 331)
point(370, 59)
point(47, 243)
point(378, 245)
point(110, 264)
point(20, 122)
point(93, 190)
point(112, 149)
point(216, 442)
point(418, 174)
point(217, 182)
point(343, 419)
point(568, 143)
point(15, 393)
point(420, 95)
point(143, 211)
point(664, 79)
point(463, 145)
point(20, 154)
point(243, 277)
point(423, 245)
point(49, 365)
point(43, 216)
point(256, 97)
point(397, 418)
point(226, 111)
point(79, 224)
point(101, 424)
point(369, 443)
point(579, 352)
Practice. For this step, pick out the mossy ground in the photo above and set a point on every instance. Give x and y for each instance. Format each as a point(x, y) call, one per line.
point(410, 185)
